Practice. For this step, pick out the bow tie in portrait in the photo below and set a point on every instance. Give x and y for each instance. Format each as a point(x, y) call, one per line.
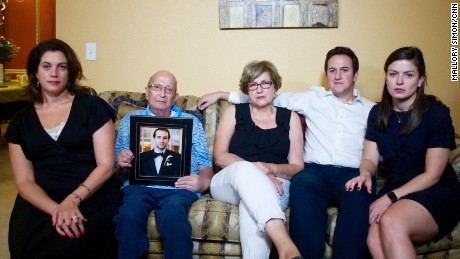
point(157, 154)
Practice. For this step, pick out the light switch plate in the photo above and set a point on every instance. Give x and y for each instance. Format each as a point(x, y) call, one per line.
point(90, 51)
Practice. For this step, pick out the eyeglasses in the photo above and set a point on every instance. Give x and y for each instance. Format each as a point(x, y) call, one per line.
point(159, 88)
point(263, 84)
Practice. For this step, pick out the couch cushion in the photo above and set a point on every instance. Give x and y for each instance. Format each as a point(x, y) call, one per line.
point(122, 109)
point(111, 97)
point(454, 157)
point(211, 220)
point(215, 228)
point(127, 99)
point(451, 240)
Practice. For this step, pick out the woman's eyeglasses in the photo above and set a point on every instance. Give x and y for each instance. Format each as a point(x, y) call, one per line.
point(264, 84)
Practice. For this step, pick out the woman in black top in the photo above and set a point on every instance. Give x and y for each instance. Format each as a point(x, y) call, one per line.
point(62, 153)
point(413, 132)
point(259, 147)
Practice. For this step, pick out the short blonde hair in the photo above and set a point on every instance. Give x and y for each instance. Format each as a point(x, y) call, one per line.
point(256, 68)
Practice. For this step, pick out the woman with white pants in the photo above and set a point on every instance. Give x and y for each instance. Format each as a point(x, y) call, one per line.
point(253, 185)
point(259, 147)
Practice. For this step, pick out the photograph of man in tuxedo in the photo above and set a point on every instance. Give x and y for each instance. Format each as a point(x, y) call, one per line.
point(160, 161)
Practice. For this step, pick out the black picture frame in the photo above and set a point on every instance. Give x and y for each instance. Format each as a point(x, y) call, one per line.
point(180, 142)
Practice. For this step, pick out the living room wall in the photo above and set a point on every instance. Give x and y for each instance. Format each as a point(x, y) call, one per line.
point(137, 37)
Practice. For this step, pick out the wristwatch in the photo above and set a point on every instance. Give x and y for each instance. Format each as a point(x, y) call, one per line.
point(392, 197)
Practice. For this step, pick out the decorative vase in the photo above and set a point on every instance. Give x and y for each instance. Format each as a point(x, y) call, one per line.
point(1, 73)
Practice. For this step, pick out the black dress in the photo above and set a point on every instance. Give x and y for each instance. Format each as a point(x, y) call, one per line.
point(405, 156)
point(59, 167)
point(255, 144)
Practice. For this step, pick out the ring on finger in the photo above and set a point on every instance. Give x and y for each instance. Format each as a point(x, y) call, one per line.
point(75, 217)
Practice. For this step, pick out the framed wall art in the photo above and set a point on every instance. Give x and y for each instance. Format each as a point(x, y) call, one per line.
point(162, 149)
point(241, 14)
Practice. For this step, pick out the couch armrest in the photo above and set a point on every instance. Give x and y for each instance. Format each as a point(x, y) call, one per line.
point(454, 157)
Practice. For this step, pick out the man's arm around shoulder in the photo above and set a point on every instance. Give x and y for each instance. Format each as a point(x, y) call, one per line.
point(295, 101)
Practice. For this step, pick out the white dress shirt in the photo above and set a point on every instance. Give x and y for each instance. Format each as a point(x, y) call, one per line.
point(335, 129)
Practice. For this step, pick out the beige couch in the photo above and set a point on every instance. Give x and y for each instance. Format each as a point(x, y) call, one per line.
point(215, 224)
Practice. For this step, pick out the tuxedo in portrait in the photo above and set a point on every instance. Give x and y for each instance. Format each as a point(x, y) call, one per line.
point(160, 161)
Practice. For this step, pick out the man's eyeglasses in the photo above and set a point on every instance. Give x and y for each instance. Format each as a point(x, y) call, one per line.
point(264, 84)
point(159, 88)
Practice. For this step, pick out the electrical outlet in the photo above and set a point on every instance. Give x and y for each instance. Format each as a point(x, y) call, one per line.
point(90, 51)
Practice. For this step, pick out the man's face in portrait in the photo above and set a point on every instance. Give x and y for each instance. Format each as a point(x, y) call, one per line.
point(161, 139)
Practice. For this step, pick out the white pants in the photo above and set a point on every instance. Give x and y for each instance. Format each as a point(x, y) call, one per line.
point(245, 184)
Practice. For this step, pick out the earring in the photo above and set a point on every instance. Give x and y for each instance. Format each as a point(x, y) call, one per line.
point(38, 84)
point(419, 85)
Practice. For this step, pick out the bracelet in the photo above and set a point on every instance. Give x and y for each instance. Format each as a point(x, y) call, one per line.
point(392, 197)
point(87, 188)
point(77, 196)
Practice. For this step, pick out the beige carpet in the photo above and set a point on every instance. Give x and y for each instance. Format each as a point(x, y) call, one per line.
point(7, 194)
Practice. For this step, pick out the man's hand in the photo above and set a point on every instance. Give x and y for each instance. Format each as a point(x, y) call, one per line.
point(124, 158)
point(209, 99)
point(196, 182)
point(190, 182)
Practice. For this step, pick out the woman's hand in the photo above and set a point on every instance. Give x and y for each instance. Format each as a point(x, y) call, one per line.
point(377, 208)
point(363, 179)
point(278, 184)
point(265, 167)
point(67, 218)
point(269, 170)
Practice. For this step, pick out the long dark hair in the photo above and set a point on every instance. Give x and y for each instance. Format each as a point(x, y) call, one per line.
point(75, 71)
point(422, 101)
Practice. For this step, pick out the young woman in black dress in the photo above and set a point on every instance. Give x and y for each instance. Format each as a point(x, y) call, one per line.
point(413, 132)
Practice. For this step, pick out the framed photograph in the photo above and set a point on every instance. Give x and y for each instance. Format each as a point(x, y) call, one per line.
point(162, 148)
point(246, 14)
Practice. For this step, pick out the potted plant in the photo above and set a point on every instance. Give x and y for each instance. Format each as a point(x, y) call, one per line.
point(7, 51)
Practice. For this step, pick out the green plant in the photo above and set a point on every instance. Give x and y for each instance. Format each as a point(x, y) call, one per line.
point(7, 49)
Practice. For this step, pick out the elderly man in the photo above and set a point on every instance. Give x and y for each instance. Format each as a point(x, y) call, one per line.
point(170, 204)
point(336, 124)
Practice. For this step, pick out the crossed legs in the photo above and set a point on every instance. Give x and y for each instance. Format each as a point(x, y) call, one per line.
point(261, 215)
point(399, 227)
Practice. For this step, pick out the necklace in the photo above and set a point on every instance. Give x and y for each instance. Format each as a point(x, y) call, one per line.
point(400, 117)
